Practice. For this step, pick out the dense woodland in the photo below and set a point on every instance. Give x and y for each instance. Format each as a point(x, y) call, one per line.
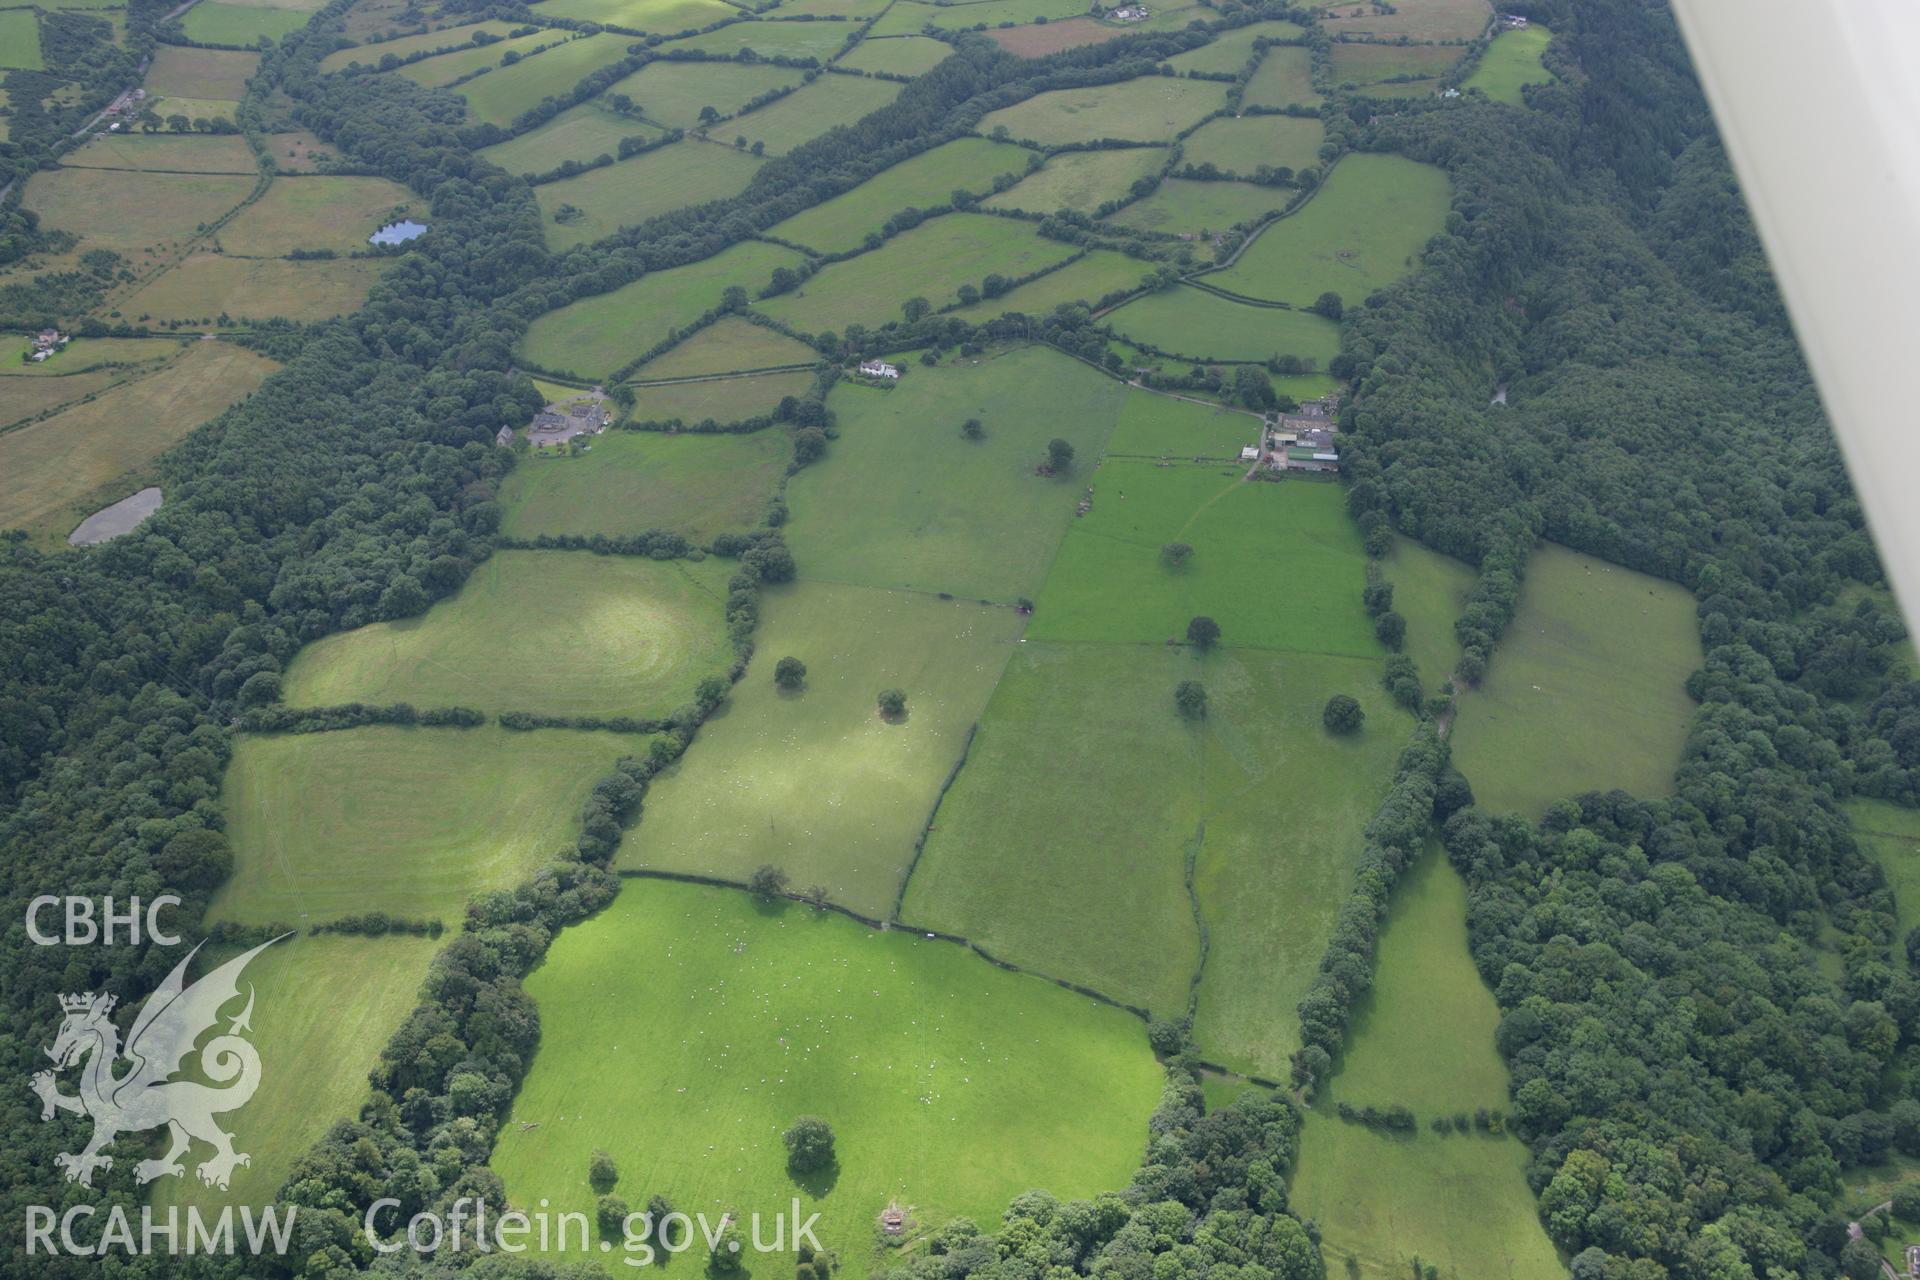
point(1689, 1082)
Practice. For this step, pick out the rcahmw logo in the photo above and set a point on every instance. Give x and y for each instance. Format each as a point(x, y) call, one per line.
point(133, 1088)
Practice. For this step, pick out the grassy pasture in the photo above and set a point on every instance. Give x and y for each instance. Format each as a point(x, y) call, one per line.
point(1510, 64)
point(722, 399)
point(84, 353)
point(182, 72)
point(1150, 109)
point(582, 133)
point(1278, 566)
point(951, 1086)
point(632, 481)
point(408, 821)
point(1062, 844)
point(204, 286)
point(931, 261)
point(178, 153)
point(1287, 805)
point(1404, 88)
point(840, 225)
point(20, 40)
point(898, 55)
point(22, 397)
point(1081, 180)
point(315, 212)
point(810, 111)
point(665, 17)
point(1455, 20)
point(1370, 64)
point(1284, 78)
point(1182, 318)
point(557, 632)
point(1594, 647)
point(1087, 280)
point(1362, 230)
point(194, 108)
point(1202, 209)
point(1242, 145)
point(1232, 50)
point(1152, 426)
point(505, 92)
point(53, 472)
point(851, 9)
point(369, 55)
point(630, 192)
point(129, 212)
point(672, 93)
point(1458, 1202)
point(1430, 592)
point(815, 782)
point(448, 67)
point(819, 40)
point(902, 500)
point(1891, 835)
point(1038, 39)
point(728, 345)
point(327, 1006)
point(597, 335)
point(216, 22)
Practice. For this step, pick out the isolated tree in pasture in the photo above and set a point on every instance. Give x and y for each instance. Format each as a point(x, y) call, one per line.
point(1191, 697)
point(1203, 632)
point(790, 673)
point(767, 882)
point(1343, 714)
point(809, 1142)
point(602, 1172)
point(915, 308)
point(972, 430)
point(612, 1213)
point(1059, 456)
point(893, 703)
point(1175, 554)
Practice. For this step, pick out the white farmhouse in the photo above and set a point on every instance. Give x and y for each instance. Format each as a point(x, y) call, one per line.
point(879, 369)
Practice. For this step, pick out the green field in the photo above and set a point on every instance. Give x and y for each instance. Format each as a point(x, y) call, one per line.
point(810, 111)
point(1891, 836)
point(54, 472)
point(583, 133)
point(81, 354)
point(1202, 209)
point(1279, 566)
point(931, 261)
point(899, 55)
point(1082, 180)
point(24, 395)
point(632, 481)
point(665, 17)
point(555, 632)
point(314, 212)
point(908, 16)
point(180, 153)
point(724, 400)
point(412, 822)
point(20, 40)
point(1586, 691)
point(728, 345)
point(1511, 63)
point(130, 212)
point(182, 72)
point(1232, 50)
point(448, 67)
point(505, 92)
point(1284, 78)
point(1087, 279)
point(1150, 109)
point(1430, 592)
point(369, 55)
point(195, 109)
point(951, 1086)
point(1457, 20)
point(1152, 426)
point(326, 1007)
point(206, 285)
point(1361, 231)
point(673, 93)
point(1459, 1202)
point(1241, 145)
point(216, 22)
point(841, 224)
point(819, 40)
point(598, 334)
point(628, 193)
point(1370, 64)
point(902, 500)
point(1181, 319)
point(829, 8)
point(816, 782)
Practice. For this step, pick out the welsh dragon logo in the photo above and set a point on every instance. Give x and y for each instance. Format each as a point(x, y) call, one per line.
point(146, 1096)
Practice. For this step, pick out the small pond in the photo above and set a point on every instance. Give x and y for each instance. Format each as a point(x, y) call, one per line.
point(111, 522)
point(398, 232)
